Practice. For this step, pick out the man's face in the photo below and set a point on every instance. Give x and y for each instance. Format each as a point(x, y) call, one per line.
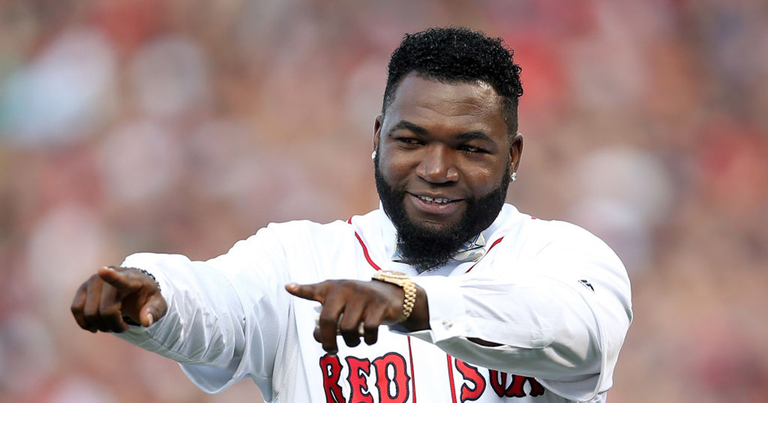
point(443, 161)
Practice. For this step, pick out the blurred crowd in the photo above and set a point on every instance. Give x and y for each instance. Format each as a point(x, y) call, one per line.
point(183, 126)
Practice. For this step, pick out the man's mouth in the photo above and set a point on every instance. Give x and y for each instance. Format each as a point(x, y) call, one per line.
point(431, 200)
point(434, 206)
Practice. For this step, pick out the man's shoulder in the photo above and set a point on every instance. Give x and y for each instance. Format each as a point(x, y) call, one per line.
point(311, 229)
point(546, 233)
point(303, 227)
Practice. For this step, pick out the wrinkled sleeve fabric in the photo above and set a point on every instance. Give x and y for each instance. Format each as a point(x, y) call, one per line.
point(225, 316)
point(561, 316)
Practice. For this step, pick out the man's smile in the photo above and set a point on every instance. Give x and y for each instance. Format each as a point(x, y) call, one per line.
point(431, 205)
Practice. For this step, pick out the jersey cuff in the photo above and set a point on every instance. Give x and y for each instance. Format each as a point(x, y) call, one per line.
point(447, 315)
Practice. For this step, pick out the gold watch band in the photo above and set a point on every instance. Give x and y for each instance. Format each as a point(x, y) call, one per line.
point(403, 281)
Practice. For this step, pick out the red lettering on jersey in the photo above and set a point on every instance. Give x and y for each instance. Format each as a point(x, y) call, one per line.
point(359, 370)
point(536, 388)
point(471, 375)
point(515, 389)
point(498, 382)
point(392, 378)
point(331, 367)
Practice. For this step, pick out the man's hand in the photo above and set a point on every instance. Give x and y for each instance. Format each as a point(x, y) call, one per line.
point(113, 293)
point(349, 303)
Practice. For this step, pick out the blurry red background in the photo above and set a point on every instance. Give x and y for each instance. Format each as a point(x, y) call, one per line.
point(168, 126)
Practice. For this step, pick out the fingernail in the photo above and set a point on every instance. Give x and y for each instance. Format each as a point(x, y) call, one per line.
point(292, 286)
point(151, 319)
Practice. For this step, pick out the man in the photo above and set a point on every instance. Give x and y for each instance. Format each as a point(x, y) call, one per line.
point(489, 304)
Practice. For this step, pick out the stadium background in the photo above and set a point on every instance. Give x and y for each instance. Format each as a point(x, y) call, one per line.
point(183, 126)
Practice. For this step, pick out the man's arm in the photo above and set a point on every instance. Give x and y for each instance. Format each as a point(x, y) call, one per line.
point(181, 309)
point(224, 317)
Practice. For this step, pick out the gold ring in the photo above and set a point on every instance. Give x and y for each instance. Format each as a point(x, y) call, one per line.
point(360, 327)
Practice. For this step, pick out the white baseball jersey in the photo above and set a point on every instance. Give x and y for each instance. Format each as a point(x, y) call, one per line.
point(555, 297)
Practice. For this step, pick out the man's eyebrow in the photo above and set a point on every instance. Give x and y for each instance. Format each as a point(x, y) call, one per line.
point(404, 124)
point(473, 135)
point(464, 136)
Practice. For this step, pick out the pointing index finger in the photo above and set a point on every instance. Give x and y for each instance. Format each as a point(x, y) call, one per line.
point(120, 278)
point(111, 276)
point(309, 292)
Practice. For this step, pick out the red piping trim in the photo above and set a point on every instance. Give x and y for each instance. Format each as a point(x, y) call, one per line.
point(365, 249)
point(489, 249)
point(365, 252)
point(450, 378)
point(413, 374)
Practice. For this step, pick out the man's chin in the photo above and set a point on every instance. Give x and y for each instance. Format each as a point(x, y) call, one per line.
point(434, 222)
point(433, 227)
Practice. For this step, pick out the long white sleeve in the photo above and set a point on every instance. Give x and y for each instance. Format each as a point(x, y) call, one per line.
point(560, 315)
point(225, 316)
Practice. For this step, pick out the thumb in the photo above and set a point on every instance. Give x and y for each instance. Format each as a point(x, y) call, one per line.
point(153, 310)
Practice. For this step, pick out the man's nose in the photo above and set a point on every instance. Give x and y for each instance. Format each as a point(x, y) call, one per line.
point(438, 164)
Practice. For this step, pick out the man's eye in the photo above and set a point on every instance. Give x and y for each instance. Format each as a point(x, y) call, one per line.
point(470, 149)
point(407, 140)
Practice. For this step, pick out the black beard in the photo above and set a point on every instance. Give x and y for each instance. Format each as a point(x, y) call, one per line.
point(426, 247)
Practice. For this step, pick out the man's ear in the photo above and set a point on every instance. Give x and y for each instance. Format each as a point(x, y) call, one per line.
point(515, 152)
point(377, 131)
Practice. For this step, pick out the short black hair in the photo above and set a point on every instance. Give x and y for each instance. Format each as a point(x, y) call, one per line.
point(458, 54)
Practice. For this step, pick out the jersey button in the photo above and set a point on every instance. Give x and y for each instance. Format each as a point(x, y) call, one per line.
point(447, 324)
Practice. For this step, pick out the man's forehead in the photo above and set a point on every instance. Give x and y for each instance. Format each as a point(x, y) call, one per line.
point(415, 84)
point(416, 96)
point(415, 89)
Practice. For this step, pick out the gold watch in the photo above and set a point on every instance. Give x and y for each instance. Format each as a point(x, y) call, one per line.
point(403, 281)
